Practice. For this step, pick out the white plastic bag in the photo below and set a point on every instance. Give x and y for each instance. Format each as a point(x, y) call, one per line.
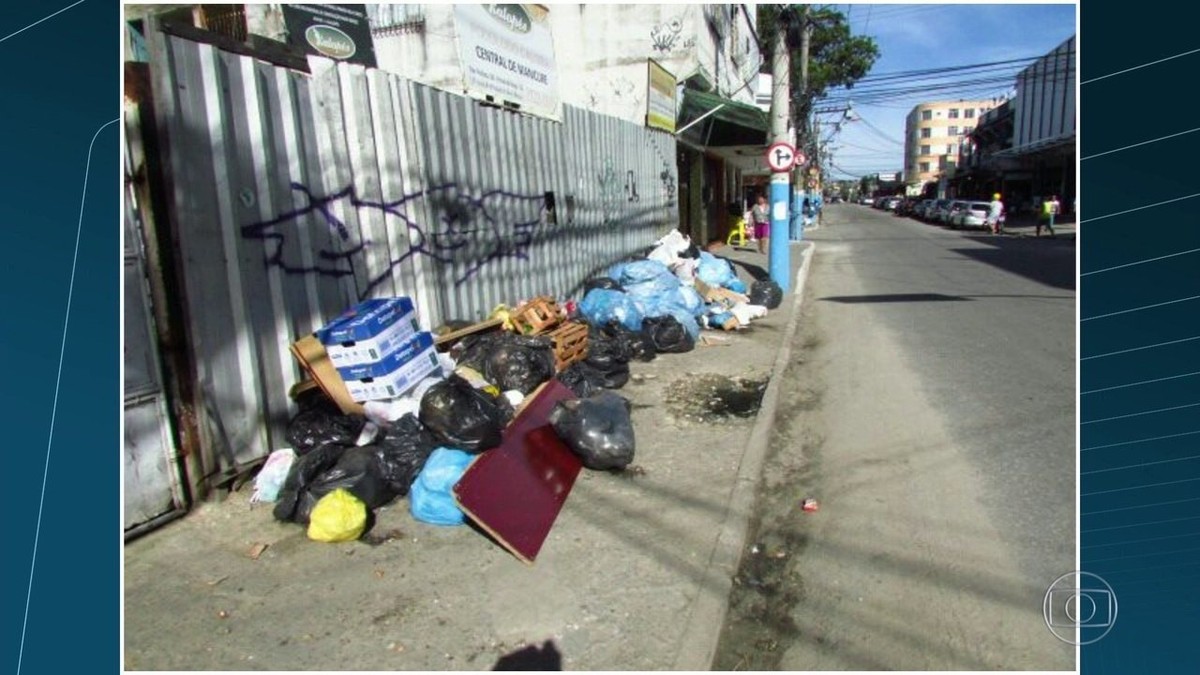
point(270, 479)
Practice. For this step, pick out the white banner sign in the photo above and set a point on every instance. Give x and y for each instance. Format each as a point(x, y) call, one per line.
point(507, 55)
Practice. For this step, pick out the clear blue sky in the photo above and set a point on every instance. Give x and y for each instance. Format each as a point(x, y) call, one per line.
point(919, 37)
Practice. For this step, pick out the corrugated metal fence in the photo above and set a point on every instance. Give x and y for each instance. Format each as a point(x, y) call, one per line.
point(297, 195)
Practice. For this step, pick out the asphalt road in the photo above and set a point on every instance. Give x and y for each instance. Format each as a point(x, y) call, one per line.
point(931, 410)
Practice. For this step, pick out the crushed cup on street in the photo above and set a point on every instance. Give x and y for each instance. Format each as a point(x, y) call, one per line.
point(811, 505)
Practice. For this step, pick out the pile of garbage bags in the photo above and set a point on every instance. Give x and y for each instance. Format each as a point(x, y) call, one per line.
point(659, 296)
point(340, 466)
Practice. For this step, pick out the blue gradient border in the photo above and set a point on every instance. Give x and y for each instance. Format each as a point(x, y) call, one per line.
point(1140, 337)
point(62, 459)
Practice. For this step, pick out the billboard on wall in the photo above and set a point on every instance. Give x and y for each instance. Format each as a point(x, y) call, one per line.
point(660, 99)
point(507, 55)
point(339, 32)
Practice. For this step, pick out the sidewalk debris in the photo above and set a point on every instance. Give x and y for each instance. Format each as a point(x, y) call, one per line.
point(811, 505)
point(598, 429)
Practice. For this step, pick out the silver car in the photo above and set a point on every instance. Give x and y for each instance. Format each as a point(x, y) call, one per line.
point(973, 214)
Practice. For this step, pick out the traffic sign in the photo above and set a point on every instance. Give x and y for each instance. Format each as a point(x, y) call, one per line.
point(782, 157)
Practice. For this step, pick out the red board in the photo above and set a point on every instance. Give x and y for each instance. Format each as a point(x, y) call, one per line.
point(516, 490)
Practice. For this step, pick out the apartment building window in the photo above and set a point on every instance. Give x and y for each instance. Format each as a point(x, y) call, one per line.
point(969, 113)
point(925, 150)
point(953, 113)
point(953, 131)
point(950, 149)
point(924, 167)
point(926, 132)
point(967, 130)
point(926, 115)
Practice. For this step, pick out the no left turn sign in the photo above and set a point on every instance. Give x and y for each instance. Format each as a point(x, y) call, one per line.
point(782, 157)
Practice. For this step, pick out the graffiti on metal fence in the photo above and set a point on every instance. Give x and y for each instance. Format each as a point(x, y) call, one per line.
point(667, 175)
point(631, 186)
point(462, 220)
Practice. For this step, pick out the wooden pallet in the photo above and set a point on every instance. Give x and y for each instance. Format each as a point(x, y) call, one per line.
point(570, 343)
point(536, 316)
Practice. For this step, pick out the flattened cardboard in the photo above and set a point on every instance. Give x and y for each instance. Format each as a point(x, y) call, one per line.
point(312, 357)
point(515, 491)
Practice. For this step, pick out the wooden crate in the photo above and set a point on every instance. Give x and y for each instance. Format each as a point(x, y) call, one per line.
point(536, 316)
point(570, 343)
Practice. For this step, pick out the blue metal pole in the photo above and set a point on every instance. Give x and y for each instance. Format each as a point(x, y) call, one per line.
point(779, 258)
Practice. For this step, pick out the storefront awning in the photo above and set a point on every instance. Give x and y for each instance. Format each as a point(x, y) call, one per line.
point(720, 122)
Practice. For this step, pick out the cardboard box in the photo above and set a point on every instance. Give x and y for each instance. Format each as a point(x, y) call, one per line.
point(369, 332)
point(395, 374)
point(312, 357)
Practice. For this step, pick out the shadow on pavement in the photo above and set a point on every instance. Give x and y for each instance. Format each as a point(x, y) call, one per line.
point(546, 657)
point(1036, 259)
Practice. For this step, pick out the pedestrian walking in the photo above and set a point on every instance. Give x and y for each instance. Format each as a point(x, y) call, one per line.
point(1050, 209)
point(762, 222)
point(995, 217)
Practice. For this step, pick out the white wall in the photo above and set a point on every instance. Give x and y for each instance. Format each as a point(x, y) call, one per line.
point(600, 53)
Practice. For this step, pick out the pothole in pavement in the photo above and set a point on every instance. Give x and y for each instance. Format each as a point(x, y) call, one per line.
point(712, 398)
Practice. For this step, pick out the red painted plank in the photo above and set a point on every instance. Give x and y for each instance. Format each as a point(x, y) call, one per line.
point(516, 490)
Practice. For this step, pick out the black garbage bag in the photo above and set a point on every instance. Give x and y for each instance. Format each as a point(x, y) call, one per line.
point(766, 293)
point(319, 422)
point(668, 335)
point(359, 470)
point(608, 355)
point(607, 283)
point(294, 502)
point(582, 379)
point(461, 416)
point(692, 251)
point(403, 447)
point(638, 345)
point(511, 361)
point(597, 428)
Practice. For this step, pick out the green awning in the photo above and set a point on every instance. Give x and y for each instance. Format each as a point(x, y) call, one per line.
point(733, 123)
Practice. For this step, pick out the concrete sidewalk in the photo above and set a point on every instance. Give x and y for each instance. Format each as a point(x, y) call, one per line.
point(635, 574)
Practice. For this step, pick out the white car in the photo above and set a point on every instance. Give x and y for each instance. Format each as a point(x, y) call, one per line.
point(973, 214)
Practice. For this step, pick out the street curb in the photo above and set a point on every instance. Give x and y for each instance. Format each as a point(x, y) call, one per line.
point(698, 647)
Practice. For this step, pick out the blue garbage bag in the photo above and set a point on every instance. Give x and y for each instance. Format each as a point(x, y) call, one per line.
point(738, 286)
point(601, 306)
point(714, 271)
point(431, 498)
point(643, 271)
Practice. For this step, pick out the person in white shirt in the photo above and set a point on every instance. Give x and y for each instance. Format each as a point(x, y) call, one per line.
point(995, 217)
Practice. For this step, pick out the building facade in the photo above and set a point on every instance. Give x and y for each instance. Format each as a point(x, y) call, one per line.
point(600, 57)
point(933, 133)
point(1026, 149)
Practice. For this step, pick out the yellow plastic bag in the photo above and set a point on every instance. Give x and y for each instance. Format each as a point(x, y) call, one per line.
point(338, 516)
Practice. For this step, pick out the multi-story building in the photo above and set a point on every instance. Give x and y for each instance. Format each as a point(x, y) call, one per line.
point(1026, 148)
point(933, 133)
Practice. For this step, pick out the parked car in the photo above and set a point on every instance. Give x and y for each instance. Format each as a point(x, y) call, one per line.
point(934, 214)
point(974, 214)
point(924, 209)
point(867, 201)
point(951, 212)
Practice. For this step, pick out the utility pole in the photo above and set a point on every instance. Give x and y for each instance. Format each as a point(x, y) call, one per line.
point(779, 262)
point(802, 127)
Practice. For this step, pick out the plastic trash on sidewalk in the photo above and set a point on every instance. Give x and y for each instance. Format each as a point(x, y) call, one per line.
point(598, 429)
point(669, 335)
point(766, 293)
point(431, 499)
point(338, 516)
point(461, 416)
point(746, 313)
point(601, 306)
point(582, 379)
point(271, 477)
point(319, 422)
point(403, 449)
